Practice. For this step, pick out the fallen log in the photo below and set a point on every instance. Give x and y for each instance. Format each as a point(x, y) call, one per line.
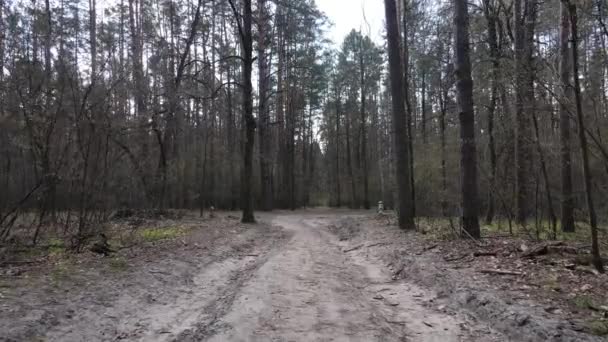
point(539, 250)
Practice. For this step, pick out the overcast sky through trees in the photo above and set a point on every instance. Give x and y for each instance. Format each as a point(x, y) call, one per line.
point(349, 14)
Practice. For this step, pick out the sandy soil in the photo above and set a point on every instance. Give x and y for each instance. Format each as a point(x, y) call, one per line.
point(306, 276)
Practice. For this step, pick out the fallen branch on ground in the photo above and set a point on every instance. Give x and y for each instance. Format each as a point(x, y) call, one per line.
point(542, 249)
point(353, 249)
point(456, 258)
point(501, 272)
point(479, 254)
point(17, 262)
point(379, 244)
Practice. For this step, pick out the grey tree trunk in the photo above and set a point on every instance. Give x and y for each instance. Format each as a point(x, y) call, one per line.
point(364, 166)
point(408, 101)
point(247, 181)
point(464, 97)
point(263, 114)
point(523, 17)
point(246, 37)
point(491, 19)
point(404, 191)
point(567, 201)
point(93, 39)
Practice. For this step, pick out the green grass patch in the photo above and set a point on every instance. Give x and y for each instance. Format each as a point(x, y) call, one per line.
point(583, 302)
point(598, 327)
point(158, 234)
point(56, 246)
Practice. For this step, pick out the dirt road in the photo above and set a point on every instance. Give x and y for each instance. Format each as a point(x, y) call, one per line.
point(290, 278)
point(311, 290)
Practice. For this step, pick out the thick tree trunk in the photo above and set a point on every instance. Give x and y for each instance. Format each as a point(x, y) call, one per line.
point(247, 181)
point(523, 18)
point(263, 114)
point(408, 102)
point(405, 205)
point(246, 36)
point(567, 200)
point(464, 96)
point(490, 15)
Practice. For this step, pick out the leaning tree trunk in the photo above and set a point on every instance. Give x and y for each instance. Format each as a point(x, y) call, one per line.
point(464, 97)
point(404, 190)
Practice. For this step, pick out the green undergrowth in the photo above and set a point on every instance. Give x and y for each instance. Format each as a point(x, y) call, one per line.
point(598, 327)
point(583, 302)
point(442, 229)
point(56, 246)
point(163, 233)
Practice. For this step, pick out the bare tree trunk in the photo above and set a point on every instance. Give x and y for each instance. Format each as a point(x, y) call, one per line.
point(423, 105)
point(595, 249)
point(363, 128)
point(490, 14)
point(524, 29)
point(444, 178)
point(93, 39)
point(406, 218)
point(567, 200)
point(248, 119)
point(464, 96)
point(338, 109)
point(408, 103)
point(263, 114)
point(349, 163)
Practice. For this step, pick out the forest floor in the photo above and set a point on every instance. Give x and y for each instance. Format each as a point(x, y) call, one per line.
point(310, 275)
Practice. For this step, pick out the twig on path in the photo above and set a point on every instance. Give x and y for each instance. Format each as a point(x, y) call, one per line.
point(478, 254)
point(456, 258)
point(394, 322)
point(379, 244)
point(354, 248)
point(158, 272)
point(17, 262)
point(501, 272)
point(426, 249)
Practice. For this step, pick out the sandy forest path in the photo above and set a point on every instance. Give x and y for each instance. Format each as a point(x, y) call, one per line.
point(293, 277)
point(313, 289)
